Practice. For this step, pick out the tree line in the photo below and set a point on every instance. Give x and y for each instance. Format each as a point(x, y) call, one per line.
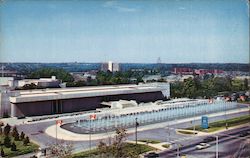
point(209, 87)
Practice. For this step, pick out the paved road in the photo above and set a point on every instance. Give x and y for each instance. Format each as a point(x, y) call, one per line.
point(229, 145)
point(36, 132)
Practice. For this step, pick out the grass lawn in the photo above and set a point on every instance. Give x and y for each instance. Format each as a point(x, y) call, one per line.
point(186, 132)
point(149, 141)
point(244, 102)
point(139, 149)
point(219, 125)
point(166, 145)
point(21, 149)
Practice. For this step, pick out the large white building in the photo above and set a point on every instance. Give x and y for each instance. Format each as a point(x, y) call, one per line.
point(63, 100)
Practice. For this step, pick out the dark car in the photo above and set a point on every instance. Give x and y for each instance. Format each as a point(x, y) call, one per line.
point(243, 134)
point(209, 139)
point(152, 155)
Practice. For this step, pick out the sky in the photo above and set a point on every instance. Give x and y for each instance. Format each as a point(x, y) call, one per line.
point(133, 31)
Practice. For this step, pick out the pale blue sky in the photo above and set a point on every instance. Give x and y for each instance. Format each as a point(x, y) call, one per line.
point(125, 31)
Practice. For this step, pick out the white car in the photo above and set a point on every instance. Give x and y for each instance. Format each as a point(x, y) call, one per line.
point(202, 146)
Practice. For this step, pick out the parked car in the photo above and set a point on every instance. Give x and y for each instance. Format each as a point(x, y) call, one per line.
point(202, 146)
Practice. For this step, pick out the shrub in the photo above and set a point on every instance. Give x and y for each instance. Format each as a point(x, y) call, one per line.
point(2, 154)
point(7, 142)
point(26, 141)
point(22, 136)
point(15, 134)
point(13, 147)
point(6, 130)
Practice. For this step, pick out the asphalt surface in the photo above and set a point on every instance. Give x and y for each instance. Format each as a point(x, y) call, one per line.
point(230, 145)
point(36, 132)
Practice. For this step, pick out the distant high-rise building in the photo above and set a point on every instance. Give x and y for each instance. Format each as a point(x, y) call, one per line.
point(112, 67)
point(116, 67)
point(105, 67)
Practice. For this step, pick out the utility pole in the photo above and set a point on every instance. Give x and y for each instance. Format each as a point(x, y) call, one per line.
point(136, 125)
point(217, 147)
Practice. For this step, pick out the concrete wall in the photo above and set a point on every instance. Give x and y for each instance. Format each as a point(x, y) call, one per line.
point(4, 104)
point(31, 109)
point(81, 104)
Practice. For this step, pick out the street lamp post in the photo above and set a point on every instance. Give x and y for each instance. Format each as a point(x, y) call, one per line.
point(226, 116)
point(168, 131)
point(217, 147)
point(178, 151)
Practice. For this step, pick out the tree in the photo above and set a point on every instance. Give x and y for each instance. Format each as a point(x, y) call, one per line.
point(7, 142)
point(2, 153)
point(13, 147)
point(26, 141)
point(103, 149)
point(246, 84)
point(22, 136)
point(61, 150)
point(116, 148)
point(15, 134)
point(6, 130)
point(48, 72)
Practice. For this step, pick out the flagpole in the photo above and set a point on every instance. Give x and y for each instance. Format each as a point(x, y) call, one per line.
point(56, 132)
point(90, 135)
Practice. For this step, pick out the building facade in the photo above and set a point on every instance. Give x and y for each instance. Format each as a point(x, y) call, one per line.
point(110, 66)
point(66, 100)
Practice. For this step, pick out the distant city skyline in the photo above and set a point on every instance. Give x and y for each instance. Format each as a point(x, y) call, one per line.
point(177, 31)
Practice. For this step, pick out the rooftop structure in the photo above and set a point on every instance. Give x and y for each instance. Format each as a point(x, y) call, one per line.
point(42, 82)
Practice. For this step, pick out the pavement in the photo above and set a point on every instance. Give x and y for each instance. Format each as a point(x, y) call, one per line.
point(60, 133)
point(164, 132)
point(229, 145)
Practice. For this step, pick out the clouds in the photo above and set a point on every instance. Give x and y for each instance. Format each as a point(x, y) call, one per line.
point(119, 7)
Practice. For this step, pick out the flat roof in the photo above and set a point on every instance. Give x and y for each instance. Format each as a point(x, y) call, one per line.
point(81, 92)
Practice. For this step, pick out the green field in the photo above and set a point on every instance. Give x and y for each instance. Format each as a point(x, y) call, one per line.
point(21, 149)
point(128, 147)
point(149, 141)
point(219, 125)
point(166, 145)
